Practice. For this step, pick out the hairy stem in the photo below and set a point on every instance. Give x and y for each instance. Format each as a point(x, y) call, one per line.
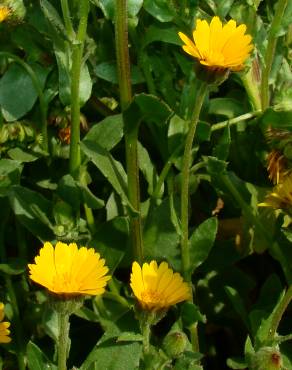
point(131, 134)
point(63, 340)
point(77, 53)
point(187, 159)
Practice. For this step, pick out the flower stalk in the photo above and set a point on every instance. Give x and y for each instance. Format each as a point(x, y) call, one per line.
point(270, 52)
point(77, 48)
point(131, 135)
point(63, 340)
point(187, 161)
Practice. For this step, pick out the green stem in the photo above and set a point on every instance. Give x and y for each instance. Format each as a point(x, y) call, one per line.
point(131, 135)
point(269, 56)
point(77, 53)
point(283, 338)
point(235, 120)
point(63, 340)
point(280, 312)
point(37, 86)
point(146, 330)
point(187, 161)
point(67, 18)
point(165, 172)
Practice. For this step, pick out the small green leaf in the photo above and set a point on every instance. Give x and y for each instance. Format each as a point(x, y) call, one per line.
point(191, 314)
point(159, 9)
point(36, 358)
point(236, 363)
point(130, 337)
point(107, 133)
point(108, 71)
point(13, 267)
point(17, 82)
point(237, 303)
point(201, 241)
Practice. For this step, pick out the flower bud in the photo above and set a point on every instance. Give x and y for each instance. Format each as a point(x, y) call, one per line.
point(267, 358)
point(175, 343)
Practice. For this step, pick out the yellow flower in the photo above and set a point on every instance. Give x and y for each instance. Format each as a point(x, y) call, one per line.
point(4, 331)
point(281, 196)
point(66, 269)
point(4, 13)
point(217, 46)
point(157, 287)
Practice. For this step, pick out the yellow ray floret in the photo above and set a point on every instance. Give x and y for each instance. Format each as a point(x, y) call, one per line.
point(158, 287)
point(218, 46)
point(66, 269)
point(4, 13)
point(281, 196)
point(4, 325)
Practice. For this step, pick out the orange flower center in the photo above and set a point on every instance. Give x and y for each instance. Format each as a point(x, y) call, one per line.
point(150, 296)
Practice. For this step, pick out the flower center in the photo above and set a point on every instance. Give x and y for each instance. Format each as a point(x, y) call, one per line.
point(150, 296)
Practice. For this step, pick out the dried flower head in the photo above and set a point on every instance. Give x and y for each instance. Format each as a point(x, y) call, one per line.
point(276, 166)
point(68, 270)
point(217, 46)
point(158, 287)
point(4, 325)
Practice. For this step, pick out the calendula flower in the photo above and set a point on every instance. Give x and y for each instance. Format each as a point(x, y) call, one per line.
point(281, 196)
point(4, 13)
point(217, 46)
point(68, 270)
point(158, 287)
point(4, 325)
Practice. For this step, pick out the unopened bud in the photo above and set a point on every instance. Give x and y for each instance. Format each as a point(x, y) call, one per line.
point(267, 358)
point(175, 343)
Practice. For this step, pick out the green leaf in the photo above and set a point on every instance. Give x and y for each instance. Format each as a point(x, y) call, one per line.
point(214, 165)
point(236, 363)
point(109, 167)
point(108, 71)
point(163, 33)
point(69, 191)
point(13, 267)
point(17, 82)
point(89, 198)
point(160, 235)
point(111, 241)
point(22, 156)
point(108, 8)
point(64, 62)
point(237, 303)
point(32, 210)
point(191, 314)
point(159, 9)
point(110, 355)
point(226, 107)
point(106, 133)
point(10, 171)
point(221, 150)
point(281, 119)
point(201, 241)
point(53, 17)
point(130, 337)
point(147, 168)
point(36, 358)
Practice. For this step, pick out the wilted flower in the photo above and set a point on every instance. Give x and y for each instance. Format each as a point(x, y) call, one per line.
point(4, 325)
point(217, 46)
point(281, 196)
point(68, 270)
point(276, 166)
point(4, 13)
point(158, 287)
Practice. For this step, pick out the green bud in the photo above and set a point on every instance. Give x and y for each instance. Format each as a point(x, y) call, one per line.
point(175, 343)
point(267, 358)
